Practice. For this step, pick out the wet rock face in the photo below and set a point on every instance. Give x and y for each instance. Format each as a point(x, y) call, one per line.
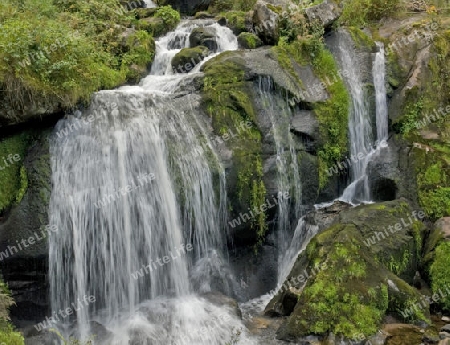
point(265, 22)
point(203, 37)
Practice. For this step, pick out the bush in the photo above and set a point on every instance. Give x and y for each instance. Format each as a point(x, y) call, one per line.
point(170, 17)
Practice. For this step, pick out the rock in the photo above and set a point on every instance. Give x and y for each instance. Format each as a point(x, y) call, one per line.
point(445, 319)
point(265, 23)
point(204, 15)
point(417, 281)
point(248, 40)
point(326, 13)
point(443, 226)
point(189, 7)
point(204, 37)
point(378, 339)
point(431, 336)
point(185, 60)
point(141, 13)
point(403, 334)
point(444, 335)
point(99, 331)
point(26, 270)
point(445, 328)
point(305, 123)
point(350, 234)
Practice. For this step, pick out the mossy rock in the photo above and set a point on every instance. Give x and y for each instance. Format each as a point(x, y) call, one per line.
point(248, 40)
point(141, 13)
point(237, 21)
point(351, 287)
point(185, 60)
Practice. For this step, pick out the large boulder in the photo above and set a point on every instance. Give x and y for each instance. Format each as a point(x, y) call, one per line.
point(247, 40)
point(186, 59)
point(204, 37)
point(348, 277)
point(326, 13)
point(265, 22)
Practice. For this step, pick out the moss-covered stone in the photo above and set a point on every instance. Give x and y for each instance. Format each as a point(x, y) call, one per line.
point(227, 100)
point(248, 40)
point(353, 285)
point(185, 60)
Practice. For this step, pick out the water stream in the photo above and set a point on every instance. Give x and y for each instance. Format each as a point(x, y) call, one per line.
point(140, 200)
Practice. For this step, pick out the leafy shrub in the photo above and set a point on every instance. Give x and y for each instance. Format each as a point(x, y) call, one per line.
point(170, 17)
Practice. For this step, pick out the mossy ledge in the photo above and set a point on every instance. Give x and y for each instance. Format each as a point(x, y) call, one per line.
point(226, 97)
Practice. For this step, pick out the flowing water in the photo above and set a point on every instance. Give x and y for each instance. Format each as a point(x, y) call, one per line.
point(139, 198)
point(362, 146)
point(288, 178)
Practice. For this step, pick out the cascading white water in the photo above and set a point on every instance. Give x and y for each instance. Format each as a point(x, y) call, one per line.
point(139, 217)
point(149, 4)
point(379, 81)
point(288, 177)
point(360, 128)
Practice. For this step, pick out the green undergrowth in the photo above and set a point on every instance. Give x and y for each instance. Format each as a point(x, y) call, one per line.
point(65, 50)
point(228, 102)
point(440, 279)
point(13, 176)
point(8, 335)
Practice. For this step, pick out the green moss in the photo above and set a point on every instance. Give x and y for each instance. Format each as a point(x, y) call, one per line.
point(235, 21)
point(228, 102)
point(440, 279)
point(169, 16)
point(361, 38)
point(13, 176)
point(7, 333)
point(248, 40)
point(360, 12)
point(187, 58)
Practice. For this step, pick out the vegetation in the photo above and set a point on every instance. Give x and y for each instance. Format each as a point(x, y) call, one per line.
point(440, 279)
point(8, 335)
point(360, 12)
point(64, 50)
point(228, 5)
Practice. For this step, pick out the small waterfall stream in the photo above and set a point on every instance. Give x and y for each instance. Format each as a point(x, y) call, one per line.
point(360, 126)
point(142, 214)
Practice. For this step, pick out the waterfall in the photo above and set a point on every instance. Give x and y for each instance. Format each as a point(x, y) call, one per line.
point(362, 145)
point(380, 94)
point(139, 199)
point(288, 177)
